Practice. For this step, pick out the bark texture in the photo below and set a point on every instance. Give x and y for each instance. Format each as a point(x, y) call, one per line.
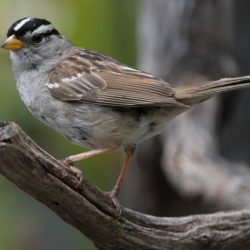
point(91, 211)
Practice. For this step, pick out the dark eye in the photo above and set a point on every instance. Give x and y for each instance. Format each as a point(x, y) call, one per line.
point(37, 39)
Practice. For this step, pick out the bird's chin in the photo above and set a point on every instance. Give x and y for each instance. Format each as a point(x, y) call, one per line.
point(20, 60)
point(17, 56)
point(14, 54)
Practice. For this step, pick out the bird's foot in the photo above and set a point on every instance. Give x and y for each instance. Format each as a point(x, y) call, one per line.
point(70, 164)
point(113, 196)
point(67, 162)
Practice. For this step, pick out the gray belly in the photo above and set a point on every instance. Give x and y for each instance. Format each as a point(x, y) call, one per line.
point(98, 126)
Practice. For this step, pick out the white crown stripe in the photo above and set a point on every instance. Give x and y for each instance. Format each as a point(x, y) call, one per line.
point(19, 25)
point(43, 29)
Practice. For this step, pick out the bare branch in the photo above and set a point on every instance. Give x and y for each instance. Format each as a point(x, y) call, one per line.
point(90, 210)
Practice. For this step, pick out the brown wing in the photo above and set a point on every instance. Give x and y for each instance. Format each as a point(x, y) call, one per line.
point(91, 77)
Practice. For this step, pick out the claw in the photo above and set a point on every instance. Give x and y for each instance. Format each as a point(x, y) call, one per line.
point(80, 177)
point(113, 196)
point(69, 164)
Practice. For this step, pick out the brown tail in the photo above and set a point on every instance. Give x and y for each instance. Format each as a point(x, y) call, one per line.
point(195, 94)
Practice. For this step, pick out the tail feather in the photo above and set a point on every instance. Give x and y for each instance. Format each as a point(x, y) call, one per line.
point(195, 94)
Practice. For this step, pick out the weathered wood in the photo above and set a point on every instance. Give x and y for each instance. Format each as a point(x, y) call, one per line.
point(87, 208)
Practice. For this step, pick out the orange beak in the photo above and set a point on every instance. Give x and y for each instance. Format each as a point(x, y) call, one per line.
point(13, 43)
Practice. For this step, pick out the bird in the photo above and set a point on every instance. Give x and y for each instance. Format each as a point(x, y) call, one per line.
point(94, 100)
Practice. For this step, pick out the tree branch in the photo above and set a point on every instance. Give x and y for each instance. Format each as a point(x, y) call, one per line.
point(87, 208)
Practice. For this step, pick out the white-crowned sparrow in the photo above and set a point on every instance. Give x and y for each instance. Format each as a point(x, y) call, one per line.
point(92, 99)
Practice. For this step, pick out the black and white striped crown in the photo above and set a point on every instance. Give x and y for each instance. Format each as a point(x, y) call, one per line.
point(32, 25)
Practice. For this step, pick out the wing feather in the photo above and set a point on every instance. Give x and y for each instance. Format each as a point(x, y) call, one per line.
point(88, 76)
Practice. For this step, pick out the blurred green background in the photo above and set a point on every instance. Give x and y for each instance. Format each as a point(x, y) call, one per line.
point(107, 26)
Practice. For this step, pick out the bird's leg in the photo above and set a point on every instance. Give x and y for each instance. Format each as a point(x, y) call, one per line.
point(69, 161)
point(75, 158)
point(123, 173)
